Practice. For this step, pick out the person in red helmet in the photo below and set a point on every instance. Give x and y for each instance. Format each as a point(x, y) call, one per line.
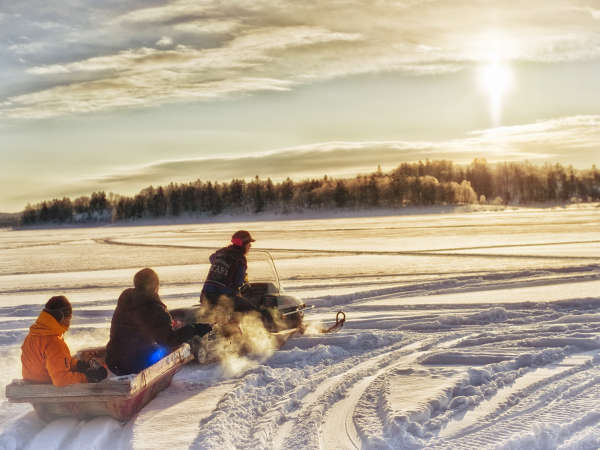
point(227, 274)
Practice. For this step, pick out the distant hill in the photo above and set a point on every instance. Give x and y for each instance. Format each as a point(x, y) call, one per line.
point(9, 219)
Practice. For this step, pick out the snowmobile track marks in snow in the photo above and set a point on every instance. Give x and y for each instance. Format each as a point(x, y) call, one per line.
point(564, 401)
point(331, 406)
point(426, 253)
point(329, 388)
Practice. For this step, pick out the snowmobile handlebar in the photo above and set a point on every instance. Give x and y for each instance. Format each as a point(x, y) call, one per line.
point(303, 308)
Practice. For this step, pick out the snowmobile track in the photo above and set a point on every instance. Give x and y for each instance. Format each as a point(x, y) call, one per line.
point(567, 402)
point(340, 415)
point(425, 253)
point(310, 425)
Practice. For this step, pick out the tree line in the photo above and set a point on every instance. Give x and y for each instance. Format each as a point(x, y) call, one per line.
point(410, 184)
point(9, 219)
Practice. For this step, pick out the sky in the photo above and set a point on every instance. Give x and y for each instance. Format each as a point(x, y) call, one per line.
point(116, 96)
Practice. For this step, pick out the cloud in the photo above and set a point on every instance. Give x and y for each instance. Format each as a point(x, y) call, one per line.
point(594, 13)
point(172, 11)
point(127, 92)
point(27, 48)
point(148, 76)
point(554, 140)
point(210, 26)
point(284, 40)
point(568, 140)
point(164, 41)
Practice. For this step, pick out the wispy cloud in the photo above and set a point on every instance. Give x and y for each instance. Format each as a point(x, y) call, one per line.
point(554, 140)
point(208, 27)
point(185, 49)
point(173, 11)
point(27, 48)
point(147, 76)
point(164, 41)
point(586, 10)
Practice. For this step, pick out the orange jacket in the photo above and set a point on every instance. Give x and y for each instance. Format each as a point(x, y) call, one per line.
point(45, 356)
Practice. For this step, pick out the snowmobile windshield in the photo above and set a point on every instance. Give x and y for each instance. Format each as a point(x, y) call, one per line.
point(261, 268)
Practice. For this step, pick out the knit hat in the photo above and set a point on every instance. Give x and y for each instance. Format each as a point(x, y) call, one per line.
point(145, 280)
point(59, 307)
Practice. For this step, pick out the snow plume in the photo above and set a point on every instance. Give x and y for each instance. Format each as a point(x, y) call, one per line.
point(255, 336)
point(241, 337)
point(78, 338)
point(313, 328)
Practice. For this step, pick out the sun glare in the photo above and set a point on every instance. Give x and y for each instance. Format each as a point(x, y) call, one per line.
point(495, 49)
point(495, 79)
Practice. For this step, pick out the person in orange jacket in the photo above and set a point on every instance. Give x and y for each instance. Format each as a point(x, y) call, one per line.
point(45, 356)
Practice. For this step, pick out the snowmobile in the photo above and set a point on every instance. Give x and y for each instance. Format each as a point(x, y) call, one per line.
point(281, 315)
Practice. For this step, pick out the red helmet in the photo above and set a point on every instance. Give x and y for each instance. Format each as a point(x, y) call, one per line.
point(241, 238)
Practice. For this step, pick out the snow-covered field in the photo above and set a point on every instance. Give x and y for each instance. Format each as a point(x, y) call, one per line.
point(464, 330)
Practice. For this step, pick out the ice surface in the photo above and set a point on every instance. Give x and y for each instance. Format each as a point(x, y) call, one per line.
point(464, 330)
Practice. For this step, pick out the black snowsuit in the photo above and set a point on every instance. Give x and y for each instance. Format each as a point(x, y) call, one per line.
point(226, 276)
point(141, 332)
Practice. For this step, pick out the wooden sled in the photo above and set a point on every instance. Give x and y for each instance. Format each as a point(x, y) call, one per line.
point(118, 397)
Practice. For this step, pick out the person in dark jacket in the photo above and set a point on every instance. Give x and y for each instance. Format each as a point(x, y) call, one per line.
point(227, 274)
point(141, 331)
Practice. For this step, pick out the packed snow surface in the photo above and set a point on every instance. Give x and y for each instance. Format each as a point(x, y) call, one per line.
point(464, 330)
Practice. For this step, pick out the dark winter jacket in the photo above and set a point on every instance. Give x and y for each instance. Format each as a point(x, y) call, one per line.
point(141, 332)
point(227, 272)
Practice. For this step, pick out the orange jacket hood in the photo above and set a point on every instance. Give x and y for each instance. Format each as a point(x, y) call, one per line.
point(46, 325)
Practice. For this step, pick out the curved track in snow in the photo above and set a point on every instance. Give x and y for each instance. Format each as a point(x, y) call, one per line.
point(451, 252)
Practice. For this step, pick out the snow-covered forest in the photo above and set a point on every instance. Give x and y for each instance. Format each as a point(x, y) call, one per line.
point(410, 184)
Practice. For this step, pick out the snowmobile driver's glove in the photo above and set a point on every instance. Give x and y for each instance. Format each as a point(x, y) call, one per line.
point(96, 374)
point(244, 290)
point(201, 329)
point(186, 333)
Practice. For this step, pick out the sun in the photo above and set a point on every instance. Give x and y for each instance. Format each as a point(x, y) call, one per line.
point(495, 79)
